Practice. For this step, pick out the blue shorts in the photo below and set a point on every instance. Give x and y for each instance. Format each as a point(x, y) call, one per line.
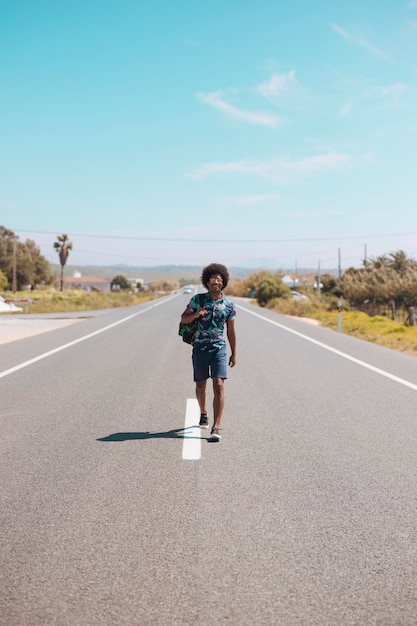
point(209, 363)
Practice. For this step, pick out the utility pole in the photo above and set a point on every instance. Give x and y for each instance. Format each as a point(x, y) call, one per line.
point(340, 266)
point(365, 260)
point(318, 280)
point(14, 268)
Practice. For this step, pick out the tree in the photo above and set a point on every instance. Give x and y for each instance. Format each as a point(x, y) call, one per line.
point(377, 263)
point(251, 282)
point(269, 288)
point(3, 281)
point(120, 282)
point(387, 280)
point(22, 261)
point(41, 269)
point(6, 253)
point(63, 247)
point(331, 285)
point(401, 263)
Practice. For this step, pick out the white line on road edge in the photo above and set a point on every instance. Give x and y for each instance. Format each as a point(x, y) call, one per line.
point(191, 447)
point(73, 343)
point(368, 366)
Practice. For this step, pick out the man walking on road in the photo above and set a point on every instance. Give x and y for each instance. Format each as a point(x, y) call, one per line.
point(209, 354)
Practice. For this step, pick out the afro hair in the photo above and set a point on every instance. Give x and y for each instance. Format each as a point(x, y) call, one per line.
point(211, 270)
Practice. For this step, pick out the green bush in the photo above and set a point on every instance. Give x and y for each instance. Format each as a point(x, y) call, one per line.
point(270, 288)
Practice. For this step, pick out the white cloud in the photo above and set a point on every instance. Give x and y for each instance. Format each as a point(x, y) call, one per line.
point(280, 171)
point(361, 42)
point(216, 101)
point(277, 85)
point(284, 90)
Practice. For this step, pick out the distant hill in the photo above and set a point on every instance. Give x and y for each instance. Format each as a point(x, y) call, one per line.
point(175, 272)
point(189, 273)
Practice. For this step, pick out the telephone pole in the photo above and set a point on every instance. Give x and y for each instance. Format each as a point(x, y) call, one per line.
point(14, 269)
point(318, 281)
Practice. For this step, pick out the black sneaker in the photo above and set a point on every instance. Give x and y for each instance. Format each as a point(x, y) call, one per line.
point(215, 434)
point(203, 420)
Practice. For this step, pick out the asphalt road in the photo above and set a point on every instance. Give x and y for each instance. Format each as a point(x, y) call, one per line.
point(116, 510)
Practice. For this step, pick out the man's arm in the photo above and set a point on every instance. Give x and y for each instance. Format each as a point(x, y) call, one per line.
point(231, 336)
point(189, 315)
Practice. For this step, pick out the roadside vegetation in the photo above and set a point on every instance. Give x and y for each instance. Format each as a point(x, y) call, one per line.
point(21, 264)
point(75, 300)
point(376, 302)
point(376, 329)
point(26, 275)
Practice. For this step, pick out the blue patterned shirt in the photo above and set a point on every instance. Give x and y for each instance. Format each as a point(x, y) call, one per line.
point(210, 327)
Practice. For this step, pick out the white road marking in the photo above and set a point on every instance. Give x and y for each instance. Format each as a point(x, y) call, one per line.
point(368, 366)
point(79, 340)
point(191, 447)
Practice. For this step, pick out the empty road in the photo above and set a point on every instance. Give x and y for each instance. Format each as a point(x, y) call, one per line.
point(116, 510)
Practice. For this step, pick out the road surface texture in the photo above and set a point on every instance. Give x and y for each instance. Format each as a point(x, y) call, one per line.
point(115, 509)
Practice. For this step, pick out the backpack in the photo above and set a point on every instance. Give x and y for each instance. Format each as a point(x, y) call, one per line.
point(187, 331)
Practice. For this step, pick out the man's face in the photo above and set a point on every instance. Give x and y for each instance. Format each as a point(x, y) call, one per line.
point(215, 283)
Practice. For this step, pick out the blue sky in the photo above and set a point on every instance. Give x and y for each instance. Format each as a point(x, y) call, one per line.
point(248, 132)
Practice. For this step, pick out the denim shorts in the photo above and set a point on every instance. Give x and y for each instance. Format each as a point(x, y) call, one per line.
point(209, 363)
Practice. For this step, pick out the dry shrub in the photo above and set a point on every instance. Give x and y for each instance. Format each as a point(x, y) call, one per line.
point(298, 308)
point(236, 288)
point(79, 300)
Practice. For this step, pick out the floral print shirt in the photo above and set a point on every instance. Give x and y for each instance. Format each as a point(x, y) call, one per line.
point(210, 327)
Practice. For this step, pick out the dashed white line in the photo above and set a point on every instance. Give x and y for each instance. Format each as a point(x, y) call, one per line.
point(191, 447)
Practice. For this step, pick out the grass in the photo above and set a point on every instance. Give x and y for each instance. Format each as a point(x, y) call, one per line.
point(377, 329)
point(51, 301)
point(380, 330)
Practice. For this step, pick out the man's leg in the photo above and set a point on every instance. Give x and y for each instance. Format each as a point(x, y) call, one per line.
point(201, 373)
point(218, 374)
point(218, 401)
point(200, 392)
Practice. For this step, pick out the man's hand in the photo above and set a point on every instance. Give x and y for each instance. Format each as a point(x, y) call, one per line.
point(189, 316)
point(232, 360)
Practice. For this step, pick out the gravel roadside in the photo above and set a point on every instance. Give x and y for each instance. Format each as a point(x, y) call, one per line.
point(14, 327)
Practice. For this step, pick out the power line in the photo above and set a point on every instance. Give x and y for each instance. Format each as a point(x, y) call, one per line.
point(196, 240)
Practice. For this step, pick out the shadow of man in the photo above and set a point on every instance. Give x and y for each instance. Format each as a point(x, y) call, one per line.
point(176, 433)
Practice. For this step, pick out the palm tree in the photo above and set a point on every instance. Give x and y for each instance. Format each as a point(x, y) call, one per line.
point(401, 263)
point(63, 246)
point(378, 263)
